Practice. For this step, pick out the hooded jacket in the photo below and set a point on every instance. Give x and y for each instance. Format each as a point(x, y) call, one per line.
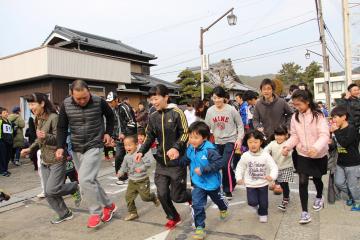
point(271, 114)
point(19, 122)
point(170, 128)
point(208, 160)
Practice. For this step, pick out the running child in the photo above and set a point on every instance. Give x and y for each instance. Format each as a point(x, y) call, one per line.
point(284, 163)
point(309, 132)
point(347, 173)
point(205, 164)
point(256, 169)
point(139, 182)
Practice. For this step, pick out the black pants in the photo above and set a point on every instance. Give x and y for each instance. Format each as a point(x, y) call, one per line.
point(228, 175)
point(5, 151)
point(286, 189)
point(259, 197)
point(120, 154)
point(303, 189)
point(171, 186)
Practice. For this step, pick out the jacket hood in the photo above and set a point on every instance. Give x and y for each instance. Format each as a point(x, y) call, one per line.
point(262, 100)
point(171, 106)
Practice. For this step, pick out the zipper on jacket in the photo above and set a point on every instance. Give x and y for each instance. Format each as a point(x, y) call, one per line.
point(306, 142)
point(163, 135)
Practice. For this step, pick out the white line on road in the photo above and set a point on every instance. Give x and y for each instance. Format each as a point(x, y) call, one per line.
point(160, 236)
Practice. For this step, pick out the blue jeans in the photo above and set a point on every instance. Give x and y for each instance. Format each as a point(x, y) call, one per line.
point(199, 199)
point(258, 197)
point(347, 180)
point(228, 174)
point(15, 154)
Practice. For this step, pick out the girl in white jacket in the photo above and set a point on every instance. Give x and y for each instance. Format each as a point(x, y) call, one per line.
point(256, 169)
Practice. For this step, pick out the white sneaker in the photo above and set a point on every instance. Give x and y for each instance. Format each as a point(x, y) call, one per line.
point(318, 204)
point(41, 195)
point(305, 218)
point(263, 219)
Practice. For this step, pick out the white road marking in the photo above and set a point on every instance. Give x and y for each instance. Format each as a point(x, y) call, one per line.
point(160, 236)
point(230, 204)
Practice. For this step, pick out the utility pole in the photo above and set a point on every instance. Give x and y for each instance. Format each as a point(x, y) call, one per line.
point(326, 63)
point(347, 42)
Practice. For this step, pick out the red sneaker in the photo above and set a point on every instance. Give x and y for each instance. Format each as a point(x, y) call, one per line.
point(108, 212)
point(171, 224)
point(94, 221)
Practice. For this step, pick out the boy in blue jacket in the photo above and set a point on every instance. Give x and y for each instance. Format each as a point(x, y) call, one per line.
point(205, 163)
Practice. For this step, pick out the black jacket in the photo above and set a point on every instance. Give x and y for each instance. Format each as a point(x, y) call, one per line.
point(127, 120)
point(170, 128)
point(86, 124)
point(347, 140)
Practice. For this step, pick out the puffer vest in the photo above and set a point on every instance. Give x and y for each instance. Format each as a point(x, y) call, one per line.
point(86, 124)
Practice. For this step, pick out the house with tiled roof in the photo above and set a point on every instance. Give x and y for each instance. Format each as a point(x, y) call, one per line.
point(65, 55)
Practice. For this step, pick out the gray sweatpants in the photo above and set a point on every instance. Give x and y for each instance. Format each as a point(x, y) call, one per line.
point(88, 166)
point(54, 187)
point(347, 180)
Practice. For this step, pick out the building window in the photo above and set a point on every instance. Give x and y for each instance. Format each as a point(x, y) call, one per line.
point(320, 87)
point(145, 69)
point(337, 86)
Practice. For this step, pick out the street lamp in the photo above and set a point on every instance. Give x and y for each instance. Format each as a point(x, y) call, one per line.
point(231, 21)
point(307, 54)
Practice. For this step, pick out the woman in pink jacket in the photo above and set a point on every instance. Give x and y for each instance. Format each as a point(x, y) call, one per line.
point(310, 135)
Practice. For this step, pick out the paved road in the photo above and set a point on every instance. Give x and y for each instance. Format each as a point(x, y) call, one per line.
point(26, 217)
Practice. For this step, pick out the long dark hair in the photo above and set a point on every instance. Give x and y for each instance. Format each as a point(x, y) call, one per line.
point(306, 96)
point(39, 98)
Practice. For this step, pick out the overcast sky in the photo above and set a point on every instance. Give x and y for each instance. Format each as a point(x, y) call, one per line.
point(171, 29)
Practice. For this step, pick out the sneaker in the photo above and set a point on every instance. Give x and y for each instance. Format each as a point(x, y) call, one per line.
point(224, 214)
point(17, 163)
point(349, 202)
point(94, 221)
point(121, 182)
point(69, 215)
point(318, 204)
point(131, 216)
point(6, 174)
point(108, 212)
point(77, 198)
point(199, 233)
point(156, 202)
point(305, 218)
point(171, 224)
point(41, 195)
point(228, 196)
point(355, 207)
point(283, 205)
point(263, 219)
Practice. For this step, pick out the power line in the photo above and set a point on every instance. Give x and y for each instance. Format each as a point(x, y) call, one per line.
point(263, 36)
point(242, 35)
point(334, 41)
point(259, 56)
point(336, 60)
point(243, 43)
point(274, 51)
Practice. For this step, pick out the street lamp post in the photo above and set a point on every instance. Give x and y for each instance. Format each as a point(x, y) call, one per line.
point(231, 21)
